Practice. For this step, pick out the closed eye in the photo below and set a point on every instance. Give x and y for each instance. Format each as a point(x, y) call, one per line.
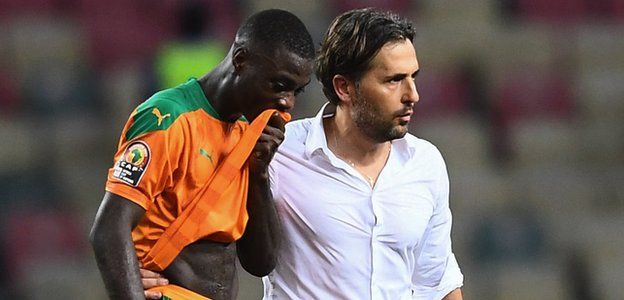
point(299, 91)
point(279, 86)
point(397, 78)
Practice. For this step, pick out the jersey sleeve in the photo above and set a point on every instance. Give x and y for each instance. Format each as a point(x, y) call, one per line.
point(145, 162)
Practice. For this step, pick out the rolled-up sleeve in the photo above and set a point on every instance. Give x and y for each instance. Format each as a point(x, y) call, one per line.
point(437, 272)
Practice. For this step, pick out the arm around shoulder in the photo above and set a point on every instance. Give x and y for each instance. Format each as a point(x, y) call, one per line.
point(114, 250)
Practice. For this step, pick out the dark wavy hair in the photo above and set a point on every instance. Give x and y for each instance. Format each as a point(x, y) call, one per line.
point(352, 41)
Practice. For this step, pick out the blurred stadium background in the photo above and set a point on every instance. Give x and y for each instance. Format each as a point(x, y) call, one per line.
point(525, 99)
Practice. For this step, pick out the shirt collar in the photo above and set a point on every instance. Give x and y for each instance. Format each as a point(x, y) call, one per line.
point(316, 140)
point(404, 147)
point(316, 134)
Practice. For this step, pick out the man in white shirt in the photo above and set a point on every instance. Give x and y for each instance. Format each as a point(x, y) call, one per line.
point(364, 205)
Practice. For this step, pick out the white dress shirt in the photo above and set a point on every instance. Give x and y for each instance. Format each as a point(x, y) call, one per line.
point(347, 240)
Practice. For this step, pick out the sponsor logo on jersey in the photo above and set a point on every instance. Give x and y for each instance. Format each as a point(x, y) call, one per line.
point(206, 154)
point(159, 116)
point(132, 164)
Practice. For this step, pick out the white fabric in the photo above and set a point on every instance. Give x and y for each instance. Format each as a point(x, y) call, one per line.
point(346, 240)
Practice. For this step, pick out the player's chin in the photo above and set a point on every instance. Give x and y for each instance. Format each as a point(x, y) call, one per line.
point(402, 126)
point(250, 116)
point(398, 132)
point(254, 114)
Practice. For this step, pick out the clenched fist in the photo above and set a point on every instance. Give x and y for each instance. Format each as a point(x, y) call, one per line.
point(266, 146)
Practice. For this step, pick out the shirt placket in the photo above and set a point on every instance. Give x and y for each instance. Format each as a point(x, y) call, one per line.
point(375, 292)
point(375, 245)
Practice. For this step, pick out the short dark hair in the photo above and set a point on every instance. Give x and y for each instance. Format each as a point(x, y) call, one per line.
point(274, 27)
point(352, 41)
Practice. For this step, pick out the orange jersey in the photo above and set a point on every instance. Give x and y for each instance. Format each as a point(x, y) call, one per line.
point(168, 151)
point(174, 292)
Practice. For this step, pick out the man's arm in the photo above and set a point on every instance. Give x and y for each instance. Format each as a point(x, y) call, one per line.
point(257, 248)
point(114, 251)
point(437, 273)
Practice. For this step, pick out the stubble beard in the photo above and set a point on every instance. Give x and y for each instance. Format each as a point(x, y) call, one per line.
point(369, 120)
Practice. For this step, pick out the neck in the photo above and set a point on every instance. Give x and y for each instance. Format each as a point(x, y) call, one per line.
point(353, 146)
point(349, 143)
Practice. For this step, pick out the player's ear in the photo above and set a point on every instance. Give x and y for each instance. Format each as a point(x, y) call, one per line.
point(240, 58)
point(343, 87)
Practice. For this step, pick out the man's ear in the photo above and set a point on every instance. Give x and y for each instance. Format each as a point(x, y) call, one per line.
point(239, 59)
point(343, 87)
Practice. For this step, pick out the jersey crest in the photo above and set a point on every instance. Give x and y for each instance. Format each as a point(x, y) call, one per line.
point(132, 164)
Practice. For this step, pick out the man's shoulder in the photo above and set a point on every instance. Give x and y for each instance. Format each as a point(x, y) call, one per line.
point(297, 130)
point(423, 149)
point(173, 100)
point(159, 112)
point(419, 143)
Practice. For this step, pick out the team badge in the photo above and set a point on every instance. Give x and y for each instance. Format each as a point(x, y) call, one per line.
point(132, 164)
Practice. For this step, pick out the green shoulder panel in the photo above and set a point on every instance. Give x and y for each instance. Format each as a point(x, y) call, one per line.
point(163, 108)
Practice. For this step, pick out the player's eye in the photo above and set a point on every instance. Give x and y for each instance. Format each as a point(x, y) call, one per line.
point(278, 86)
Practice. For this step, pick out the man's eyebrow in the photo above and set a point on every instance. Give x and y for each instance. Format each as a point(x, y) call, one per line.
point(307, 82)
point(286, 80)
point(402, 75)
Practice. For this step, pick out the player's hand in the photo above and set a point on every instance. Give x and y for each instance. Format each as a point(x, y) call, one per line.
point(266, 146)
point(151, 279)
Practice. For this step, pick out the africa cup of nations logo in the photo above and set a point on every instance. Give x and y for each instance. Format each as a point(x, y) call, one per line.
point(132, 164)
point(136, 155)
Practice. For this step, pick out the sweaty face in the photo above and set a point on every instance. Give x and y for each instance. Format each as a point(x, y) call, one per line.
point(274, 81)
point(386, 93)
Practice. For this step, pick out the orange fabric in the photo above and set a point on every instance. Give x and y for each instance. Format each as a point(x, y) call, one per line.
point(201, 213)
point(181, 162)
point(174, 292)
